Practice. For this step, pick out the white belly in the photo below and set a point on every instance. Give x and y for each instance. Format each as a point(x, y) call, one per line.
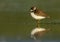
point(37, 17)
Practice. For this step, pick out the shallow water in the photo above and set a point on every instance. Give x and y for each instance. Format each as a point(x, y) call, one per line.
point(16, 23)
point(29, 40)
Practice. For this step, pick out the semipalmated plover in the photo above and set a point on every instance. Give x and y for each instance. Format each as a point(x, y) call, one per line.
point(37, 14)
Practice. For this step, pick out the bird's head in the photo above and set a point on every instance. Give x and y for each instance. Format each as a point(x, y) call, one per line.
point(33, 9)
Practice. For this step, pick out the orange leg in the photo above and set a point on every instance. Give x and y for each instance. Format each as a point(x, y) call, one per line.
point(38, 23)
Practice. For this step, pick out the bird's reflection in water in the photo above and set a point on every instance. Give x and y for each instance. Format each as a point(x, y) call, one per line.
point(38, 33)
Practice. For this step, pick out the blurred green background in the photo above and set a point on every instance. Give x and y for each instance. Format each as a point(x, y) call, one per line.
point(15, 20)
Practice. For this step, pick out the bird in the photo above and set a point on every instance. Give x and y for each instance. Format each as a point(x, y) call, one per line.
point(38, 14)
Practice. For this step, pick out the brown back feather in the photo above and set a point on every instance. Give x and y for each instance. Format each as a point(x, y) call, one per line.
point(40, 12)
